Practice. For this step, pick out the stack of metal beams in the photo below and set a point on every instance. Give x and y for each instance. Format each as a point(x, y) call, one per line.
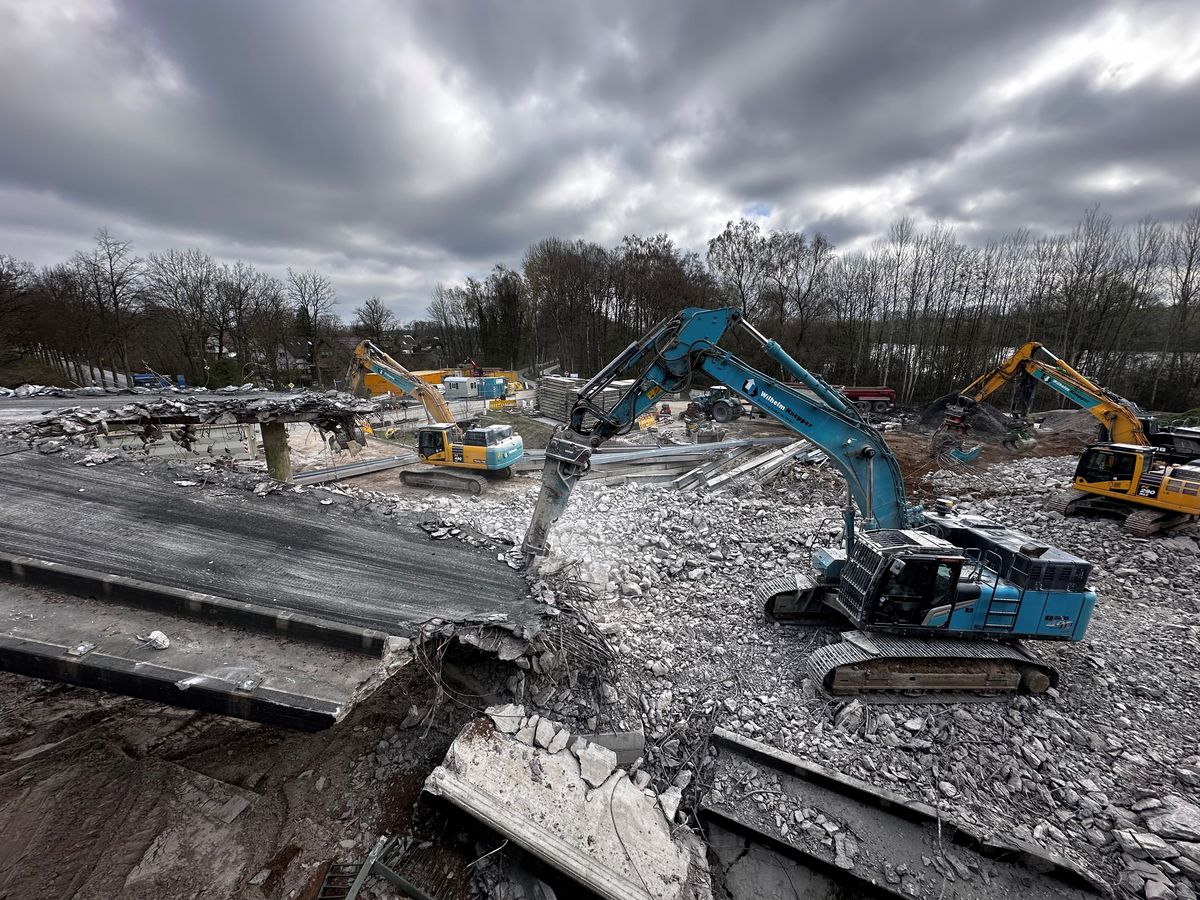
point(556, 394)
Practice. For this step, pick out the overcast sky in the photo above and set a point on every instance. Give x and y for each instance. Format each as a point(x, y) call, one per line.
point(395, 145)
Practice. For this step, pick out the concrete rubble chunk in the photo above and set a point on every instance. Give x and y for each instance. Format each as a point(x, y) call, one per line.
point(507, 718)
point(559, 741)
point(543, 734)
point(669, 800)
point(1177, 820)
point(1143, 844)
point(595, 762)
point(611, 838)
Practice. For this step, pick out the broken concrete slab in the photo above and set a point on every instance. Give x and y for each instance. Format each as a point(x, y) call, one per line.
point(612, 839)
point(629, 746)
point(883, 835)
point(340, 564)
point(220, 669)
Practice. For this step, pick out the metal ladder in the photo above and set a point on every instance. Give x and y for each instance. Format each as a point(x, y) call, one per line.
point(1001, 613)
point(343, 881)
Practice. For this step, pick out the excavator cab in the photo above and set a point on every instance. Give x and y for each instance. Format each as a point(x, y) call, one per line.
point(491, 448)
point(907, 582)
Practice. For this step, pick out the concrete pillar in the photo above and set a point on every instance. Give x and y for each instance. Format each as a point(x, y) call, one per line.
point(275, 446)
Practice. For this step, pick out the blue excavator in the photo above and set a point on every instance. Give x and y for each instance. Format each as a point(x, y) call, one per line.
point(939, 603)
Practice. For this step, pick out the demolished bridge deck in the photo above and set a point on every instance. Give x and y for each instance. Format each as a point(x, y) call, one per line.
point(282, 551)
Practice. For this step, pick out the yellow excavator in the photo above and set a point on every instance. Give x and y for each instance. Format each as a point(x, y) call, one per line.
point(1147, 475)
point(458, 454)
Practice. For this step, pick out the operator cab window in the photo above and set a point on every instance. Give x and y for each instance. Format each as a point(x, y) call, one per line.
point(1105, 465)
point(912, 587)
point(429, 443)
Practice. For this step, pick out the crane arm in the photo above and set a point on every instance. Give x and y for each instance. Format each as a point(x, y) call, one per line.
point(1121, 417)
point(664, 361)
point(368, 358)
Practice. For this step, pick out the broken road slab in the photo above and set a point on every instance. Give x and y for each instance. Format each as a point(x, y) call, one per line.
point(613, 839)
point(843, 833)
point(283, 552)
point(294, 684)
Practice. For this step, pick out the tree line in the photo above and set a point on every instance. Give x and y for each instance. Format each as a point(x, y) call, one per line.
point(920, 310)
point(107, 313)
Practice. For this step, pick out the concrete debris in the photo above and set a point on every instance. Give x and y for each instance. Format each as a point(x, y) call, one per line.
point(596, 763)
point(605, 834)
point(1179, 820)
point(156, 640)
point(79, 423)
point(544, 733)
point(1060, 772)
point(506, 718)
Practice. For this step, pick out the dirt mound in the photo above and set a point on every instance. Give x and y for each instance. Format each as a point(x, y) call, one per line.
point(986, 421)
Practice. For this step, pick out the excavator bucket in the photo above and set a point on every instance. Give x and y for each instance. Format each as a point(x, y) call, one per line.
point(966, 457)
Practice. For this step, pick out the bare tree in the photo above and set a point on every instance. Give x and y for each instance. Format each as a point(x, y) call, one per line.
point(183, 284)
point(374, 320)
point(113, 279)
point(312, 297)
point(737, 257)
point(16, 299)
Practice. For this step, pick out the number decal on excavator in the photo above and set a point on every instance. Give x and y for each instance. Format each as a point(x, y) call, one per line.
point(654, 391)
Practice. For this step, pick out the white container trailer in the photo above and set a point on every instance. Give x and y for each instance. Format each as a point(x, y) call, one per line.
point(461, 387)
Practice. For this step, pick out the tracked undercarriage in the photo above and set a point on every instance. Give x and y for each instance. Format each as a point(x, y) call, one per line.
point(891, 667)
point(446, 479)
point(1140, 521)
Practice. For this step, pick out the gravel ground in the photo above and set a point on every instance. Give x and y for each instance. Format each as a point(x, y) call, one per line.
point(1104, 770)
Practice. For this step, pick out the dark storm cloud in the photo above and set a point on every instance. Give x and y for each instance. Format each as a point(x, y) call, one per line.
point(397, 145)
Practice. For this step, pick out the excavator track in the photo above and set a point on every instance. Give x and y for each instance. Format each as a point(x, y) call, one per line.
point(945, 668)
point(1066, 502)
point(1148, 522)
point(448, 479)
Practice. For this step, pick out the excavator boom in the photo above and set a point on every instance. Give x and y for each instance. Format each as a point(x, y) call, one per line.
point(1121, 417)
point(666, 360)
point(368, 358)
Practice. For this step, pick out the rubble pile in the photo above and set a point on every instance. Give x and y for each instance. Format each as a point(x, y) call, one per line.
point(49, 390)
point(672, 575)
point(78, 423)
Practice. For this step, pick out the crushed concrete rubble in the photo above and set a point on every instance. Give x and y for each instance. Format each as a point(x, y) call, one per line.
point(77, 424)
point(45, 390)
point(572, 808)
point(670, 577)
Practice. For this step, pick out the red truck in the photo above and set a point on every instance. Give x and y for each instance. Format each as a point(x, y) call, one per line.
point(868, 399)
point(871, 399)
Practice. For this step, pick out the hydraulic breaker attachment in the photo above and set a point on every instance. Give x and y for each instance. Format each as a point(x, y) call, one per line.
point(568, 456)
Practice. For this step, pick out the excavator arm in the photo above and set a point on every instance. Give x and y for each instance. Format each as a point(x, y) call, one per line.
point(1119, 416)
point(368, 358)
point(665, 361)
